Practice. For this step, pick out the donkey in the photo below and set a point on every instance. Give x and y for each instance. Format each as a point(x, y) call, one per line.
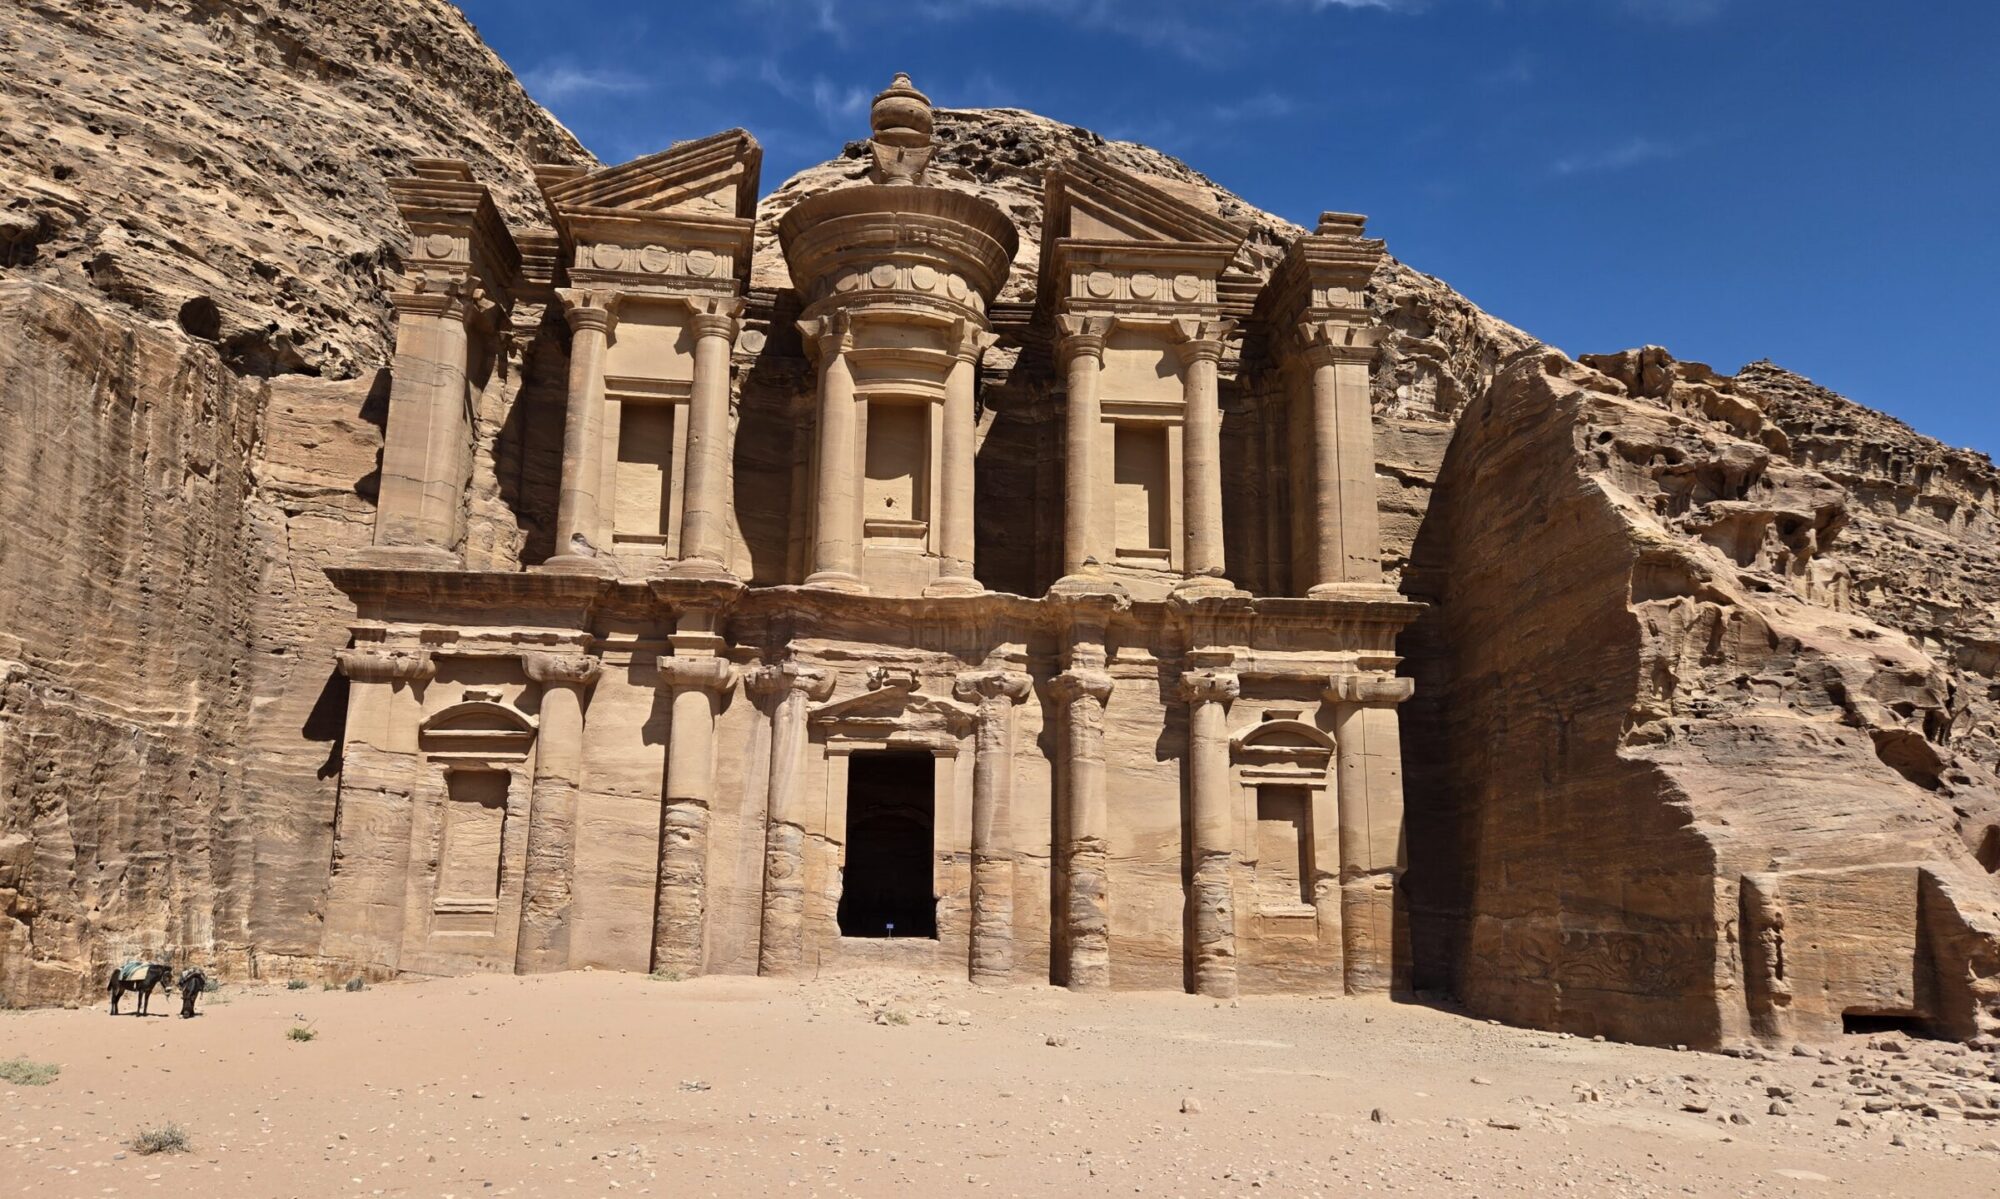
point(192, 983)
point(141, 977)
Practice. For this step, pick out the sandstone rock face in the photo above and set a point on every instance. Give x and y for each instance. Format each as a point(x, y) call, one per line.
point(1696, 783)
point(192, 326)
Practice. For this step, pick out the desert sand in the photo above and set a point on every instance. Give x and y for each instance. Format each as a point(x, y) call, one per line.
point(884, 1083)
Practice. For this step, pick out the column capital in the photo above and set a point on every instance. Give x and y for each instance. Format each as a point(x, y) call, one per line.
point(548, 668)
point(1009, 686)
point(452, 297)
point(778, 679)
point(1075, 684)
point(708, 674)
point(1199, 339)
point(590, 308)
point(1081, 335)
point(827, 336)
point(1370, 690)
point(716, 317)
point(1324, 343)
point(375, 664)
point(1210, 686)
point(968, 340)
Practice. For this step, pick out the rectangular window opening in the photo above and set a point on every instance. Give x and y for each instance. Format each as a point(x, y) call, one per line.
point(1139, 485)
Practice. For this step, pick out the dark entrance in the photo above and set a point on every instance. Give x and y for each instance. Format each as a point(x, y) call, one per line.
point(891, 816)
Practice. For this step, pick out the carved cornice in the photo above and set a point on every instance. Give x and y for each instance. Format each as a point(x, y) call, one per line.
point(1072, 685)
point(1370, 690)
point(1200, 340)
point(708, 674)
point(453, 298)
point(1001, 686)
point(774, 681)
point(580, 670)
point(373, 664)
point(1210, 686)
point(590, 308)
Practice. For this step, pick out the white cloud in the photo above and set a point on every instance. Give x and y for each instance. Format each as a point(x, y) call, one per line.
point(553, 83)
point(1631, 152)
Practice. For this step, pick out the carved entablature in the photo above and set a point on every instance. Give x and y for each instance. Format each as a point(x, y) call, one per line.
point(677, 222)
point(459, 244)
point(914, 249)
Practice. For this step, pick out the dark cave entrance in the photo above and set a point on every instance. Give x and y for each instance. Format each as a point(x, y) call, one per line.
point(886, 888)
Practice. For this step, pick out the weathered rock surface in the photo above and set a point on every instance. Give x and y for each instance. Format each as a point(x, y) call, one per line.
point(194, 243)
point(1700, 643)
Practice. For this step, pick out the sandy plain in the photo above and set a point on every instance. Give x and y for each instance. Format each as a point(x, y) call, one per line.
point(881, 1082)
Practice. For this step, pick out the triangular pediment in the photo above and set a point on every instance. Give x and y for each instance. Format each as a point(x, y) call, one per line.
point(714, 176)
point(1091, 200)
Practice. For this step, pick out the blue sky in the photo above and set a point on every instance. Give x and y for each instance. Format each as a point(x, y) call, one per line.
point(1812, 181)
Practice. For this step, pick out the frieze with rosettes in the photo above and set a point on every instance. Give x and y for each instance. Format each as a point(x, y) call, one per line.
point(1142, 287)
point(656, 260)
point(911, 278)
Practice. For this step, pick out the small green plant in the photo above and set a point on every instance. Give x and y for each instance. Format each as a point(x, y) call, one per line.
point(297, 984)
point(301, 1032)
point(356, 984)
point(895, 1017)
point(665, 975)
point(167, 1138)
point(210, 984)
point(24, 1073)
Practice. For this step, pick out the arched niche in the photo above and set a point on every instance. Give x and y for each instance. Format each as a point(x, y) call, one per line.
point(1289, 820)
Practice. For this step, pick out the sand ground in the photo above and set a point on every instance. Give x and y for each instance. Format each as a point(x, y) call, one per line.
point(882, 1083)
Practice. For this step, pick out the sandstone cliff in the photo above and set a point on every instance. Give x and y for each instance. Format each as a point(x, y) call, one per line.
point(1699, 642)
point(194, 243)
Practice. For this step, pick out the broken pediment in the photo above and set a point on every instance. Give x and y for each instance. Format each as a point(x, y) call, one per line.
point(1091, 200)
point(714, 176)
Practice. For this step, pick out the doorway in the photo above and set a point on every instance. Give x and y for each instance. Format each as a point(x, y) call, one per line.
point(886, 888)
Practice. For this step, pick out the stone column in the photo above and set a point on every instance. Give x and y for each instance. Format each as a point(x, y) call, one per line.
point(1368, 775)
point(1199, 344)
point(705, 502)
point(693, 683)
point(1082, 694)
point(371, 854)
point(792, 686)
point(960, 434)
point(427, 449)
point(1347, 538)
point(592, 315)
point(836, 561)
point(996, 692)
point(548, 876)
point(1082, 353)
point(1212, 911)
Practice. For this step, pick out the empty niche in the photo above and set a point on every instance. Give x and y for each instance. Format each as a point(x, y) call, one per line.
point(1139, 490)
point(1284, 847)
point(475, 816)
point(898, 485)
point(645, 471)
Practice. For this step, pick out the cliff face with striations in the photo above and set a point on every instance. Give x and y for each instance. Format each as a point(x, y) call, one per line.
point(194, 246)
point(1708, 685)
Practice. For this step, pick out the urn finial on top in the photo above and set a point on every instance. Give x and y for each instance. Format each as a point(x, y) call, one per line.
point(901, 123)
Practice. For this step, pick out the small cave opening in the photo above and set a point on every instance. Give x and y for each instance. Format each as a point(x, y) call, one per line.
point(887, 887)
point(1860, 1022)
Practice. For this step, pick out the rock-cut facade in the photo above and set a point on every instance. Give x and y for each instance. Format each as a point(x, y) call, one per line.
point(887, 616)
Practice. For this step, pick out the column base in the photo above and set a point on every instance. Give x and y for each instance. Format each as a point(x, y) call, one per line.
point(1206, 586)
point(579, 564)
point(700, 568)
point(948, 585)
point(1353, 591)
point(837, 580)
point(1087, 582)
point(406, 557)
